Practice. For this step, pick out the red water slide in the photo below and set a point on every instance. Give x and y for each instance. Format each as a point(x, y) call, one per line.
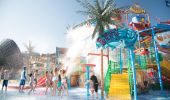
point(41, 81)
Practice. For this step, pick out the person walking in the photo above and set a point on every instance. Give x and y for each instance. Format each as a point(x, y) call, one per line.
point(22, 80)
point(95, 83)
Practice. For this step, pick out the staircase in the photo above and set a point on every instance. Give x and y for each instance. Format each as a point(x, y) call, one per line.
point(119, 87)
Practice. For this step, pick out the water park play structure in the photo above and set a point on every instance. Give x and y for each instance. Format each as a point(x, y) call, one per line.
point(143, 56)
point(119, 82)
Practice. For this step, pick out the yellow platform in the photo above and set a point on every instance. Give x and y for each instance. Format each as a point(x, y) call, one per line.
point(119, 87)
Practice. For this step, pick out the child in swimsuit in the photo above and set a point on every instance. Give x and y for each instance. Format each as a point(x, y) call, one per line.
point(55, 81)
point(31, 83)
point(47, 81)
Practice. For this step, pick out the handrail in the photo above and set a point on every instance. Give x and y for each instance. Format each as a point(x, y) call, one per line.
point(115, 67)
point(107, 79)
point(112, 69)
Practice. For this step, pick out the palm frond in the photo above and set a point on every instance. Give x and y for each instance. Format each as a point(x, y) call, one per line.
point(102, 4)
point(98, 7)
point(26, 46)
point(115, 13)
point(101, 27)
point(107, 10)
point(95, 31)
point(109, 3)
point(89, 21)
point(88, 13)
point(84, 12)
point(109, 7)
point(101, 13)
point(29, 47)
point(85, 4)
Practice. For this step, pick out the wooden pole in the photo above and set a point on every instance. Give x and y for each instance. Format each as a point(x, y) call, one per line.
point(108, 55)
point(102, 78)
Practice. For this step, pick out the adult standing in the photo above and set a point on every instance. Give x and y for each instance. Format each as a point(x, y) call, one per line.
point(22, 80)
point(6, 75)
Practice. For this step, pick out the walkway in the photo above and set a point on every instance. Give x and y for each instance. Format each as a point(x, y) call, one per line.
point(74, 94)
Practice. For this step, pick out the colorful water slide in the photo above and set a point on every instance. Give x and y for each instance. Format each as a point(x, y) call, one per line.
point(41, 81)
point(119, 87)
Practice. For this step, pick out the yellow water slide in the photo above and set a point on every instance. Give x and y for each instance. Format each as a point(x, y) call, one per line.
point(119, 87)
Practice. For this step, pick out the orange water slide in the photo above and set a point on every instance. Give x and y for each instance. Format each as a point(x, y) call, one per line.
point(165, 66)
point(165, 69)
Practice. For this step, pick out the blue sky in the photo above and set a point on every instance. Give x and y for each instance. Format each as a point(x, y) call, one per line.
point(44, 22)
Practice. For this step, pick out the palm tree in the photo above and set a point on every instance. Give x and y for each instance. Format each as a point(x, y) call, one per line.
point(30, 49)
point(102, 14)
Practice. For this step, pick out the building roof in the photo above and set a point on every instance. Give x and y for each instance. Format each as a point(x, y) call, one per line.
point(10, 53)
point(62, 50)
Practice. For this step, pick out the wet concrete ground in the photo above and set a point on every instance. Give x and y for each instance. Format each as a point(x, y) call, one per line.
point(74, 94)
point(39, 94)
